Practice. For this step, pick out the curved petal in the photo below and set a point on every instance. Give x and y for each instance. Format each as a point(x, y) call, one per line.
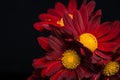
point(72, 6)
point(108, 46)
point(102, 29)
point(53, 68)
point(94, 21)
point(40, 26)
point(48, 17)
point(57, 75)
point(79, 74)
point(111, 35)
point(43, 42)
point(60, 7)
point(90, 7)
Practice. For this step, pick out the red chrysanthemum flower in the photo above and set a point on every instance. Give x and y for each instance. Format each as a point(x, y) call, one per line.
point(99, 38)
point(54, 16)
point(110, 70)
point(65, 60)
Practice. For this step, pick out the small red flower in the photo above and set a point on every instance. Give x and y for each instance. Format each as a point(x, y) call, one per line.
point(65, 60)
point(110, 70)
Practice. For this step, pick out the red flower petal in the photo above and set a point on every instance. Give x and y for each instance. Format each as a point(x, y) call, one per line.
point(78, 22)
point(72, 6)
point(53, 68)
point(90, 7)
point(94, 21)
point(95, 76)
point(103, 29)
point(60, 7)
point(57, 76)
point(79, 74)
point(39, 26)
point(40, 63)
point(111, 35)
point(102, 55)
point(43, 42)
point(108, 46)
point(71, 75)
point(48, 18)
point(84, 14)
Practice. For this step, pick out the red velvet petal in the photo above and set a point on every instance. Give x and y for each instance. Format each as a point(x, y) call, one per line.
point(39, 26)
point(43, 42)
point(111, 35)
point(57, 76)
point(90, 7)
point(55, 13)
point(102, 55)
point(72, 6)
point(71, 75)
point(103, 29)
point(108, 46)
point(78, 22)
point(53, 68)
point(39, 63)
point(48, 17)
point(60, 7)
point(79, 74)
point(94, 21)
point(96, 76)
point(84, 14)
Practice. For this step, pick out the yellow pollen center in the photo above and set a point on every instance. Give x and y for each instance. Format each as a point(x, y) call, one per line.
point(111, 68)
point(88, 40)
point(70, 59)
point(61, 23)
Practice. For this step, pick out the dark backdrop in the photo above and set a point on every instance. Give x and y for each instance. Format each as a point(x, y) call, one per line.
point(21, 46)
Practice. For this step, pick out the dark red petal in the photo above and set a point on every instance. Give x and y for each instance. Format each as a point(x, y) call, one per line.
point(48, 17)
point(55, 44)
point(72, 6)
point(102, 55)
point(85, 72)
point(94, 21)
point(39, 63)
point(111, 35)
point(103, 29)
point(108, 46)
point(55, 13)
point(57, 75)
point(84, 14)
point(90, 7)
point(78, 22)
point(71, 75)
point(96, 76)
point(53, 68)
point(60, 7)
point(79, 74)
point(43, 42)
point(39, 26)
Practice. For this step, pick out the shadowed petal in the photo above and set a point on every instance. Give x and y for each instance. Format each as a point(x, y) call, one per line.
point(72, 6)
point(60, 7)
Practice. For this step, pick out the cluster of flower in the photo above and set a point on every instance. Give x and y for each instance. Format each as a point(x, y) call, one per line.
point(79, 47)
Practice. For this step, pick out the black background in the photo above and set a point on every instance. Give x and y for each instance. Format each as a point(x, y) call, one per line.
point(21, 47)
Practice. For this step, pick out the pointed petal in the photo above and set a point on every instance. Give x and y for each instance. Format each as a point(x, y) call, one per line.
point(111, 35)
point(90, 7)
point(103, 29)
point(40, 26)
point(60, 7)
point(53, 68)
point(39, 63)
point(57, 75)
point(43, 42)
point(72, 6)
point(84, 14)
point(94, 21)
point(108, 46)
point(78, 22)
point(48, 17)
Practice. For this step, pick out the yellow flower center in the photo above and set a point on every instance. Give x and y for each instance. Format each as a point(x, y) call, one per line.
point(61, 23)
point(88, 40)
point(111, 68)
point(70, 59)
